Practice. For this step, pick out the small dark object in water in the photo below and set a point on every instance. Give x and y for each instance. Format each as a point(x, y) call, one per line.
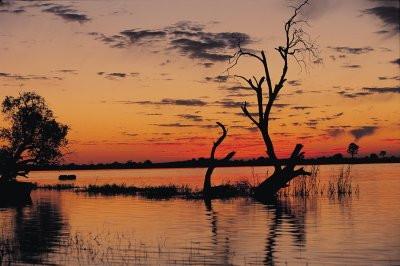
point(67, 177)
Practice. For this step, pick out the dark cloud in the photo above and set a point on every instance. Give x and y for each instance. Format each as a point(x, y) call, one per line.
point(396, 61)
point(187, 38)
point(388, 12)
point(13, 11)
point(280, 105)
point(328, 118)
point(218, 79)
point(189, 102)
point(301, 107)
point(208, 64)
point(353, 95)
point(172, 125)
point(67, 13)
point(117, 75)
point(137, 35)
point(351, 66)
point(335, 132)
point(283, 134)
point(154, 114)
point(351, 50)
point(129, 134)
point(295, 82)
point(68, 71)
point(358, 133)
point(312, 123)
point(389, 78)
point(195, 118)
point(383, 90)
point(27, 77)
point(305, 137)
point(236, 88)
point(227, 103)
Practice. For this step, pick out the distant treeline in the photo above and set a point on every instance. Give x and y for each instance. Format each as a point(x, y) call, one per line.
point(203, 162)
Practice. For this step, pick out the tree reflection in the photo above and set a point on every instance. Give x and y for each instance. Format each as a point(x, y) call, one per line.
point(285, 217)
point(37, 230)
point(221, 242)
point(284, 212)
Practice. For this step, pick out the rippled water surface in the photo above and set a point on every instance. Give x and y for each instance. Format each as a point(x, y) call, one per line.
point(65, 227)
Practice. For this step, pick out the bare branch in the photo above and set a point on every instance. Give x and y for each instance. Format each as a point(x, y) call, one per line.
point(246, 112)
point(248, 81)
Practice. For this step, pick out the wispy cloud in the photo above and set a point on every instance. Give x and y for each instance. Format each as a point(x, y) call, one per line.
point(351, 66)
point(178, 102)
point(188, 38)
point(388, 12)
point(195, 118)
point(117, 75)
point(68, 13)
point(27, 77)
point(351, 50)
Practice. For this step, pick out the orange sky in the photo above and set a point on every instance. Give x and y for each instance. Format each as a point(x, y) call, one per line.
point(138, 80)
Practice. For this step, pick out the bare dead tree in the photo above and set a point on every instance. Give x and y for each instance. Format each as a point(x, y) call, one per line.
point(298, 46)
point(214, 162)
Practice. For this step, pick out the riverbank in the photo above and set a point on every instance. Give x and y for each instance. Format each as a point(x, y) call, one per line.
point(203, 163)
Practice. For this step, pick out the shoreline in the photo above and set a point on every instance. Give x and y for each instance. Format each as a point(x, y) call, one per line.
point(188, 165)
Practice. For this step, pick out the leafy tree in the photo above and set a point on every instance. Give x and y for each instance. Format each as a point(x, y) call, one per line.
point(337, 156)
point(373, 156)
point(382, 154)
point(352, 149)
point(33, 138)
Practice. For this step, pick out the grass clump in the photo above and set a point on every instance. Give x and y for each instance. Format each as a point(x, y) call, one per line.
point(304, 186)
point(56, 187)
point(227, 190)
point(342, 183)
point(110, 189)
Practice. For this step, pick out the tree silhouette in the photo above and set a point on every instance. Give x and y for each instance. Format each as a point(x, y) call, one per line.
point(352, 149)
point(382, 154)
point(214, 162)
point(33, 138)
point(297, 45)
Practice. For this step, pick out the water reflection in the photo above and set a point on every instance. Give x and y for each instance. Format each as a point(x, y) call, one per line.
point(221, 241)
point(284, 212)
point(37, 230)
point(284, 217)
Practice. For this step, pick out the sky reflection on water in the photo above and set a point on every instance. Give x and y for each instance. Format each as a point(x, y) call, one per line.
point(69, 228)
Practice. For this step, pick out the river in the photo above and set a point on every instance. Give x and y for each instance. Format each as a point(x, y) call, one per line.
point(69, 228)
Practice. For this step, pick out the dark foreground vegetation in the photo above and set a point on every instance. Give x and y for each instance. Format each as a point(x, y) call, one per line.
point(302, 186)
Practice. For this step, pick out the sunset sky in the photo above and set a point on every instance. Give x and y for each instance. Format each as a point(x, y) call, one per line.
point(147, 79)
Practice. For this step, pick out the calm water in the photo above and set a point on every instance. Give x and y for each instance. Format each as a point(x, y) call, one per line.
point(75, 228)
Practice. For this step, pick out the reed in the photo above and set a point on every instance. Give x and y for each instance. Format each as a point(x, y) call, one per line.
point(305, 186)
point(342, 183)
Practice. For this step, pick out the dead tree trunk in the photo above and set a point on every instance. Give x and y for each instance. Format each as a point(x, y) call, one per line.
point(214, 162)
point(296, 44)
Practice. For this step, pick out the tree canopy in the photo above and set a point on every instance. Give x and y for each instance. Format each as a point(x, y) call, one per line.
point(34, 137)
point(352, 149)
